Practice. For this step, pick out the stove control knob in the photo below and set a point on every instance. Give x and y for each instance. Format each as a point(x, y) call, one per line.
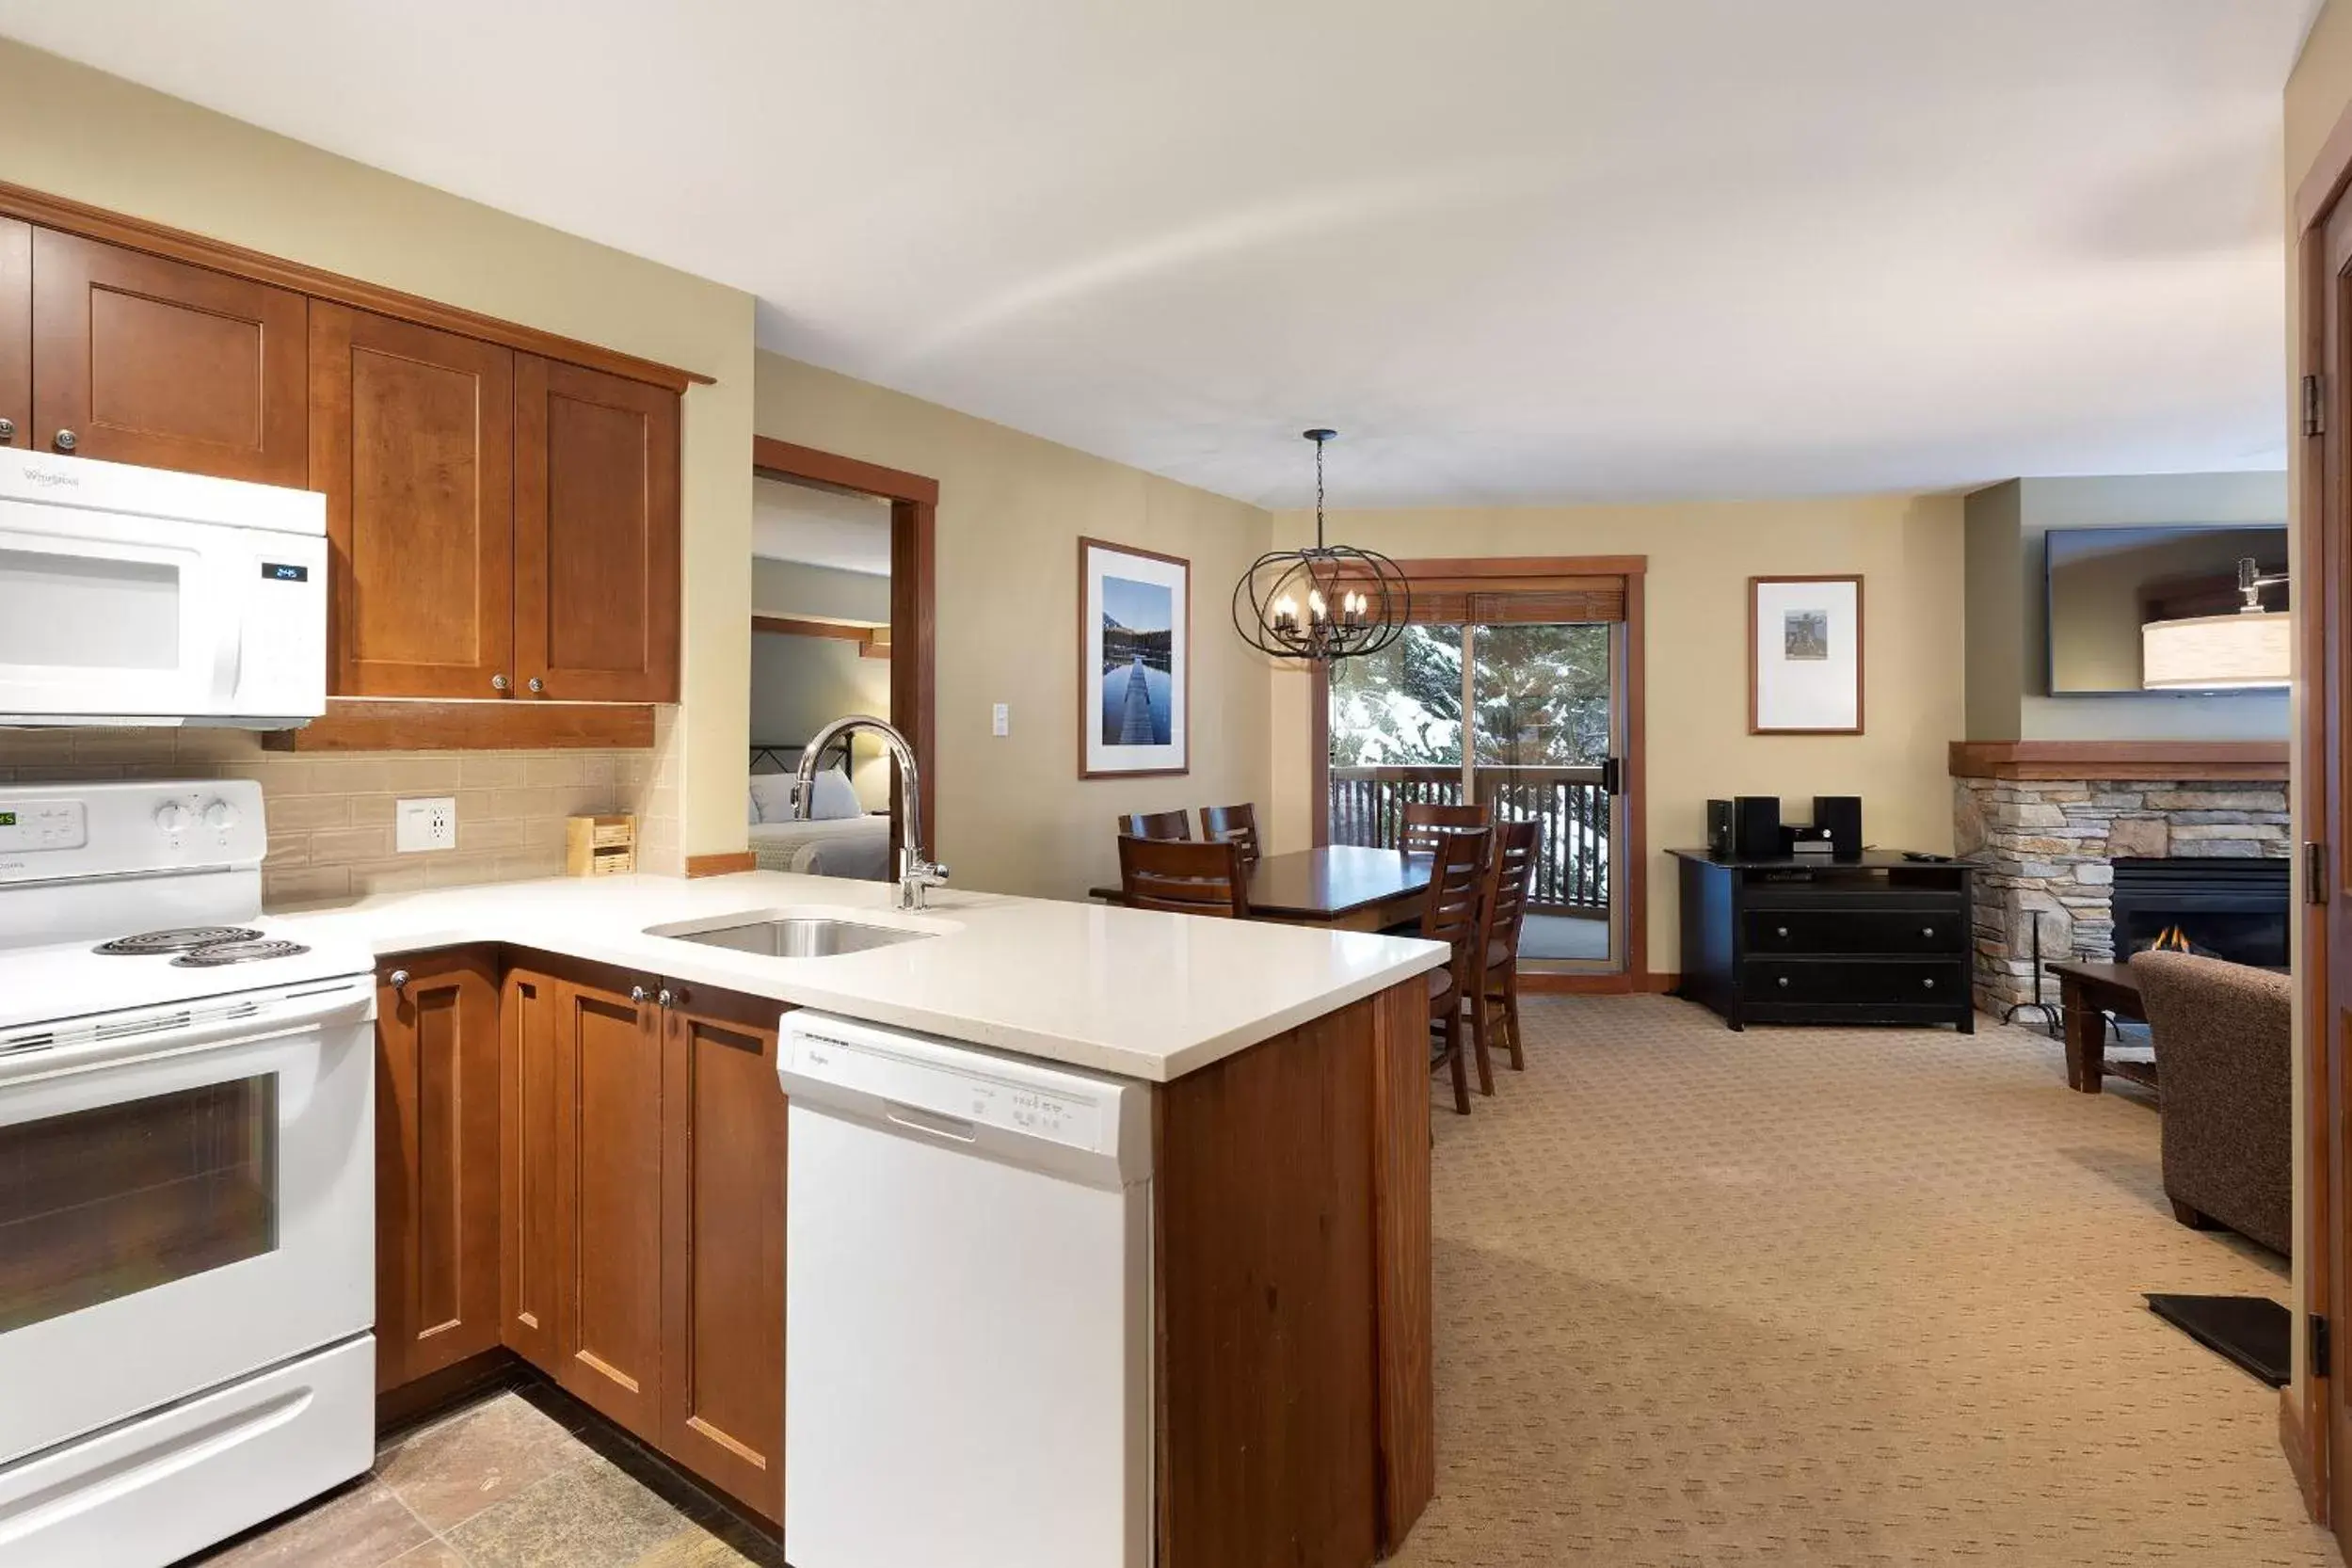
point(221, 816)
point(172, 817)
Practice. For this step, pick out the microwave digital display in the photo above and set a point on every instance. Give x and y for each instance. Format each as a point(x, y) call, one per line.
point(278, 571)
point(8, 818)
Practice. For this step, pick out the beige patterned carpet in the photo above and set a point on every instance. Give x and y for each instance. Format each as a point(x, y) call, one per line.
point(1828, 1297)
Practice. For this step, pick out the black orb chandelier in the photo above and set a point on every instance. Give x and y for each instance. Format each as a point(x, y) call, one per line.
point(1325, 602)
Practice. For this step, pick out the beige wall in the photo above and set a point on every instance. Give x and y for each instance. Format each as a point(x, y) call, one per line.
point(1907, 548)
point(2318, 93)
point(2007, 660)
point(95, 138)
point(1015, 815)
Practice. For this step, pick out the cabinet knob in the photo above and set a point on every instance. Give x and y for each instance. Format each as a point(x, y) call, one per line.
point(8, 431)
point(1781, 983)
point(1780, 931)
point(1926, 931)
point(536, 684)
point(65, 441)
point(637, 993)
point(498, 682)
point(662, 996)
point(1928, 983)
point(397, 980)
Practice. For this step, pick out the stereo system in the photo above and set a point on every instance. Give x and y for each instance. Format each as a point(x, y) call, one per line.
point(1749, 827)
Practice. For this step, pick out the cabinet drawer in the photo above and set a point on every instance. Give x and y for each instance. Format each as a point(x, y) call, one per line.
point(1862, 982)
point(1849, 931)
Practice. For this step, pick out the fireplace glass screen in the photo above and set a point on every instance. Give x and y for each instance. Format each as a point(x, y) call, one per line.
point(2220, 908)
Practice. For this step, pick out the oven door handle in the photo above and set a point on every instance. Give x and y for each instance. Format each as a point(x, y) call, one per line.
point(27, 1058)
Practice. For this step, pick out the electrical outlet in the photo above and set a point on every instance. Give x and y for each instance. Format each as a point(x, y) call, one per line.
point(1002, 719)
point(423, 824)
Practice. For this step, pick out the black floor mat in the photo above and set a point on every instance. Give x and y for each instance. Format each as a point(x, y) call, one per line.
point(2252, 1331)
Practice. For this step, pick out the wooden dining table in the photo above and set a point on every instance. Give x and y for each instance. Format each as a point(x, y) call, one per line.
point(1340, 888)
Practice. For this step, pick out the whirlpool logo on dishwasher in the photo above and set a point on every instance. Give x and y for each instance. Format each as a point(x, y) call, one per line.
point(51, 478)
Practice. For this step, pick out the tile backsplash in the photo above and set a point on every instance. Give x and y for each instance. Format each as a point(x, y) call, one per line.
point(330, 813)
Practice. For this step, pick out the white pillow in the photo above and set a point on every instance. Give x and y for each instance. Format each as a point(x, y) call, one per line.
point(751, 802)
point(832, 795)
point(772, 797)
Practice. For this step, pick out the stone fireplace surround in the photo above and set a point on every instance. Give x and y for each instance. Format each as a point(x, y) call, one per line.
point(2047, 843)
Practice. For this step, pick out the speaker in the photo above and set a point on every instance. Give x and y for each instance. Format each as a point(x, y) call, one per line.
point(1722, 842)
point(1756, 827)
point(1842, 816)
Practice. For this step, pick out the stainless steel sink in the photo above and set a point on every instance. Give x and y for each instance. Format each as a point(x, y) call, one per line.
point(798, 937)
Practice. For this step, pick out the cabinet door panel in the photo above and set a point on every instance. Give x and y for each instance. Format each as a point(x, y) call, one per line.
point(436, 1165)
point(16, 331)
point(536, 1204)
point(155, 361)
point(723, 1259)
point(413, 432)
point(597, 533)
point(612, 1167)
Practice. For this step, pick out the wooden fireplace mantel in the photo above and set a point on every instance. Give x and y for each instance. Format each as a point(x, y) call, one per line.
point(2199, 761)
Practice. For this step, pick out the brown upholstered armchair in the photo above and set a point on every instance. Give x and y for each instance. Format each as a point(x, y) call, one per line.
point(2222, 1038)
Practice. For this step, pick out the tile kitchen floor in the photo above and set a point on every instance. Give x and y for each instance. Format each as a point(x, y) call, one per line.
point(518, 1479)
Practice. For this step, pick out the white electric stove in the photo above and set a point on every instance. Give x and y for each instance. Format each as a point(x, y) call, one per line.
point(187, 1181)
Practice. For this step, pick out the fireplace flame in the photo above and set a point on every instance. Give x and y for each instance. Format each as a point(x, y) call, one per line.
point(2173, 939)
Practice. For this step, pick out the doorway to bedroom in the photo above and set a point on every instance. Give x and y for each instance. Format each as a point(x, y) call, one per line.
point(819, 649)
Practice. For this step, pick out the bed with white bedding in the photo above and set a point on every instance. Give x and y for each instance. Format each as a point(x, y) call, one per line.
point(842, 846)
point(837, 839)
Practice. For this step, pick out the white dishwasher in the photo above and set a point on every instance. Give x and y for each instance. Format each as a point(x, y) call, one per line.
point(967, 1302)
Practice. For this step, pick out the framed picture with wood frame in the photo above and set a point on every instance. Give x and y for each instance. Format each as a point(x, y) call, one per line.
point(1135, 666)
point(1805, 656)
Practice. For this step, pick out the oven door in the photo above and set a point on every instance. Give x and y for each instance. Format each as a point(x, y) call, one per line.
point(106, 614)
point(184, 1206)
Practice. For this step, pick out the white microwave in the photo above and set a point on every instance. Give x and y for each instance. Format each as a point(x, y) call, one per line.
point(135, 595)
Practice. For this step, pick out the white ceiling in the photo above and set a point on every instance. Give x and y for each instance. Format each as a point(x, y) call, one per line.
point(1513, 250)
point(820, 528)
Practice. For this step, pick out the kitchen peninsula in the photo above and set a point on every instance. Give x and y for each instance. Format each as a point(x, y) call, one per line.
point(554, 1071)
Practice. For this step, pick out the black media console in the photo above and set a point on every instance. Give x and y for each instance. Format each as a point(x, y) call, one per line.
point(1809, 939)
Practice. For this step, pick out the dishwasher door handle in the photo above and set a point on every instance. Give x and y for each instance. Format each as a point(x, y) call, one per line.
point(955, 1128)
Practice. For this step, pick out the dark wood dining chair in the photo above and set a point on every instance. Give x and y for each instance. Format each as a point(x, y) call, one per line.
point(1426, 822)
point(1494, 996)
point(1452, 914)
point(1183, 877)
point(1237, 822)
point(1156, 825)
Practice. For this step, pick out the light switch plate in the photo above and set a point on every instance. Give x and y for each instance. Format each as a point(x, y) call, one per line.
point(1001, 721)
point(425, 824)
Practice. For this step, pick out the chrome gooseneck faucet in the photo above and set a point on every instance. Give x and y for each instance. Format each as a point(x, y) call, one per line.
point(915, 873)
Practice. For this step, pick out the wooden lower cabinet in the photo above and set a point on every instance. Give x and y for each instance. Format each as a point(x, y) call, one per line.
point(633, 1208)
point(437, 1162)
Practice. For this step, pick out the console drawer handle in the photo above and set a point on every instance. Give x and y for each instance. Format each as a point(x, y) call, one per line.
point(1783, 982)
point(1928, 983)
point(1780, 931)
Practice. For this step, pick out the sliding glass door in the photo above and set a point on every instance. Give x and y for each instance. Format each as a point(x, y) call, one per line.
point(1522, 716)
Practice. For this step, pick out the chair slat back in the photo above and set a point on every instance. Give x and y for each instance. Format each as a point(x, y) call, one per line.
point(1426, 822)
point(1157, 824)
point(1183, 877)
point(1514, 872)
point(1455, 910)
point(1237, 822)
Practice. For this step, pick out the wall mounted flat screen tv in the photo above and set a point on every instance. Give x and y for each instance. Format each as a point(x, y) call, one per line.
point(2105, 585)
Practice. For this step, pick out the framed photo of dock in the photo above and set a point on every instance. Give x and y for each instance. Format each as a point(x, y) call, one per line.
point(1805, 656)
point(1134, 650)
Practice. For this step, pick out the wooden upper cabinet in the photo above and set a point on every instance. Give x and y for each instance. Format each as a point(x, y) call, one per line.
point(608, 1050)
point(16, 333)
point(412, 441)
point(141, 359)
point(723, 1256)
point(595, 534)
point(437, 1163)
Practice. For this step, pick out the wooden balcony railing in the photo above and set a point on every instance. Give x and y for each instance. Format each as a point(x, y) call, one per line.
point(1367, 807)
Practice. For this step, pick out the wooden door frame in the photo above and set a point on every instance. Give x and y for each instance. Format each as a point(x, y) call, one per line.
point(914, 590)
point(1634, 975)
point(2305, 1425)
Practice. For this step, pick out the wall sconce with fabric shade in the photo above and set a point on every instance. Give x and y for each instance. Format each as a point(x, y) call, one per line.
point(2216, 653)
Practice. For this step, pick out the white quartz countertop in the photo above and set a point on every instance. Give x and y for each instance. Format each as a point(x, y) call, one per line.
point(1125, 991)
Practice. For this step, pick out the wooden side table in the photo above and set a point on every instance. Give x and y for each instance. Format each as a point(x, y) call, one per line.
point(2087, 993)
